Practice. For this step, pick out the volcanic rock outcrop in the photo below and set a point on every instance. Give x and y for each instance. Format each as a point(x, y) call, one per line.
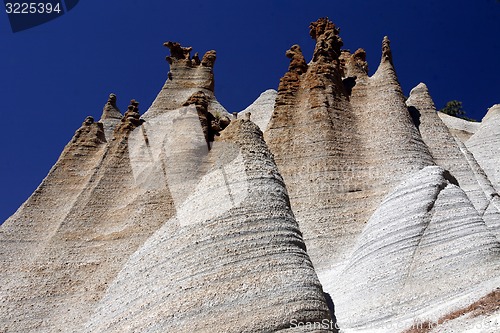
point(129, 188)
point(361, 169)
point(355, 204)
point(257, 276)
point(261, 109)
point(188, 75)
point(339, 153)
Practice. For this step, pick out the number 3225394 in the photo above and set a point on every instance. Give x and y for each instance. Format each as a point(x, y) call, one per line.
point(32, 8)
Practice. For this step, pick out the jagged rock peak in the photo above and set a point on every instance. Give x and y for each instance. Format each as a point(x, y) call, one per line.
point(132, 118)
point(359, 60)
point(420, 95)
point(328, 41)
point(177, 52)
point(208, 59)
point(88, 121)
point(180, 54)
point(110, 110)
point(352, 65)
point(111, 100)
point(211, 124)
point(297, 61)
point(90, 134)
point(386, 50)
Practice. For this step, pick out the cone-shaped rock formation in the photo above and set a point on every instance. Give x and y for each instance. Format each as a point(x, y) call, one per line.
point(185, 220)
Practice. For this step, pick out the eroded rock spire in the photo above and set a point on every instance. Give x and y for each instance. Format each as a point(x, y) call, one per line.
point(187, 76)
point(358, 60)
point(211, 125)
point(328, 41)
point(132, 118)
point(386, 50)
point(297, 62)
point(180, 54)
point(110, 110)
point(177, 52)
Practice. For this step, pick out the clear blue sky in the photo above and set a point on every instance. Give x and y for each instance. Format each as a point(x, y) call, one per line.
point(56, 74)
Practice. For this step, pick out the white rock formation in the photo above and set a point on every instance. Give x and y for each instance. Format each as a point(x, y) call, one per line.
point(261, 109)
point(423, 252)
point(239, 270)
point(485, 145)
point(460, 128)
point(150, 225)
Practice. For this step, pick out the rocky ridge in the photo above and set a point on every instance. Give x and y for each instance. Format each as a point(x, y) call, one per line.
point(187, 219)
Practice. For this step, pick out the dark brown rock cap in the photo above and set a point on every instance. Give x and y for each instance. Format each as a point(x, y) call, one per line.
point(328, 41)
point(182, 55)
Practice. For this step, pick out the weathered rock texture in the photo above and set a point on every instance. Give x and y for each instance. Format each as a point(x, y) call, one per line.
point(68, 241)
point(261, 109)
point(485, 145)
point(360, 167)
point(339, 153)
point(243, 269)
point(208, 236)
point(188, 75)
point(111, 116)
point(185, 220)
point(435, 251)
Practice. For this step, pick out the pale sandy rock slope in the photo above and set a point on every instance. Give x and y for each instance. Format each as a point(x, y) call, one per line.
point(139, 228)
point(186, 220)
point(261, 109)
point(398, 216)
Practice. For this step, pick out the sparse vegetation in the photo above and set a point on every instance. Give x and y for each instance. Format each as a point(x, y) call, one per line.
point(217, 115)
point(455, 109)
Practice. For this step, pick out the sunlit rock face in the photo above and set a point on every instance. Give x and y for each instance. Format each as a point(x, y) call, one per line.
point(261, 109)
point(333, 198)
point(485, 145)
point(186, 200)
point(378, 182)
point(340, 150)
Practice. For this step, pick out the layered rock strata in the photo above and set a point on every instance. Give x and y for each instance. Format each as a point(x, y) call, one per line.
point(373, 206)
point(64, 246)
point(485, 145)
point(180, 220)
point(257, 278)
point(187, 76)
point(142, 185)
point(450, 153)
point(340, 147)
point(111, 116)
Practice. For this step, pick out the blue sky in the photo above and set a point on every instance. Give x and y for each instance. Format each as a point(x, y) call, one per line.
point(54, 75)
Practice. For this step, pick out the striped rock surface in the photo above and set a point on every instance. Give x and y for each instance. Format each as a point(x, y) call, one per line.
point(238, 266)
point(65, 244)
point(261, 109)
point(146, 225)
point(399, 217)
point(424, 252)
point(235, 257)
point(451, 154)
point(485, 145)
